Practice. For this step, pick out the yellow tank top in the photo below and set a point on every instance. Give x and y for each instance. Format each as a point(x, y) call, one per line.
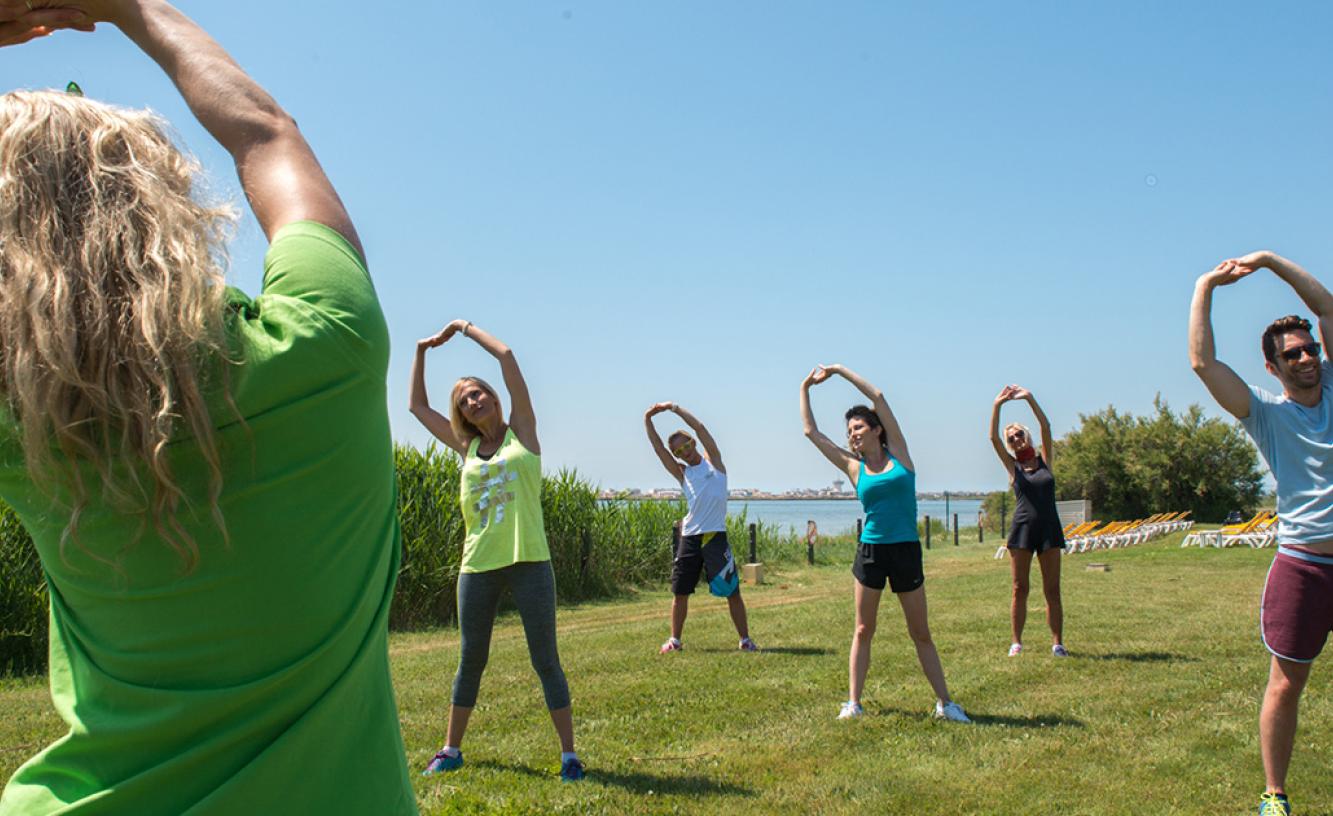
point(502, 507)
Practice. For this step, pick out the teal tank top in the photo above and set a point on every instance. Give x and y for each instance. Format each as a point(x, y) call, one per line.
point(889, 500)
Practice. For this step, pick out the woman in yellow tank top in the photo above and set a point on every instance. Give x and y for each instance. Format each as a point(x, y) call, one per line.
point(505, 546)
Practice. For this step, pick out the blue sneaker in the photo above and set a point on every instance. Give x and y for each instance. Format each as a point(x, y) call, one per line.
point(571, 771)
point(1274, 804)
point(444, 762)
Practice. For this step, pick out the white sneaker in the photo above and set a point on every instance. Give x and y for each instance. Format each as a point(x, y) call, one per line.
point(851, 711)
point(1058, 650)
point(952, 712)
point(1015, 649)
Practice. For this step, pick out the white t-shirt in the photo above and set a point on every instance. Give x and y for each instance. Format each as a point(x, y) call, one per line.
point(1297, 443)
point(705, 490)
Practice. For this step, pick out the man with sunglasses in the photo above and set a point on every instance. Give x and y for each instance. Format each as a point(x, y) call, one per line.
point(703, 533)
point(1294, 432)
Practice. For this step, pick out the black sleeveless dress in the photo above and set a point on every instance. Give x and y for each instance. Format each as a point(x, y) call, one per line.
point(1037, 524)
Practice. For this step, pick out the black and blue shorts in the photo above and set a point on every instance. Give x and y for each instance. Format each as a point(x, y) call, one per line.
point(709, 554)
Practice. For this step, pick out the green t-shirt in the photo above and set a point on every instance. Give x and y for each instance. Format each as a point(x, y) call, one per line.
point(259, 682)
point(502, 507)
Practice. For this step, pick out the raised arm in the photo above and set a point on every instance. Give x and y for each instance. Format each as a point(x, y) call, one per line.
point(705, 438)
point(1043, 424)
point(522, 418)
point(664, 456)
point(1222, 382)
point(996, 440)
point(893, 432)
point(841, 458)
point(1315, 295)
point(278, 171)
point(419, 400)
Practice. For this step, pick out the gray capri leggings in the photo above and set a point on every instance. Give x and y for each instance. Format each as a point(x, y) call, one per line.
point(532, 584)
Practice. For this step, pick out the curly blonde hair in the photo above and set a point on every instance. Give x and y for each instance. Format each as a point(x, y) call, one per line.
point(112, 306)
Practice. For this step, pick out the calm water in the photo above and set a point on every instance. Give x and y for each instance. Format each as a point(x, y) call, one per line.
point(834, 516)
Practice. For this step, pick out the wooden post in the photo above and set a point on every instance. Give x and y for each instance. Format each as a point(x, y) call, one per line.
point(858, 531)
point(587, 555)
point(955, 529)
point(981, 533)
point(753, 572)
point(927, 532)
point(675, 538)
point(1004, 506)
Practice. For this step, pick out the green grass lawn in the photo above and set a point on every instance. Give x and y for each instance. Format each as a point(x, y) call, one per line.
point(1155, 712)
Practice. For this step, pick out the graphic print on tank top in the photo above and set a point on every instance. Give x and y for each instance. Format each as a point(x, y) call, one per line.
point(491, 493)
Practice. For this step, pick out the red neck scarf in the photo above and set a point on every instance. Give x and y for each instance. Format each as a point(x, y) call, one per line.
point(1026, 454)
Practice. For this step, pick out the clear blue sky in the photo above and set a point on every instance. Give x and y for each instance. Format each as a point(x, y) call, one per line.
point(698, 201)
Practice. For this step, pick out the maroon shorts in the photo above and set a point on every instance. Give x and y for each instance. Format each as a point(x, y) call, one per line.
point(1296, 613)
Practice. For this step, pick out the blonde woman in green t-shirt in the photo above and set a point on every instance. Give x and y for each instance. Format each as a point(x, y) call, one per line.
point(505, 544)
point(208, 477)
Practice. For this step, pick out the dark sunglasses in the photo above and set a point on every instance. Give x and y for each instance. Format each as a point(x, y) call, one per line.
point(1291, 355)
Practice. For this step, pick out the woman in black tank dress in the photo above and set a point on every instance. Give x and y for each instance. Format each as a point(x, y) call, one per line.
point(1036, 528)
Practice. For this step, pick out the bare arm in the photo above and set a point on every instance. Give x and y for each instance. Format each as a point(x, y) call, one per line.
point(663, 455)
point(1314, 294)
point(279, 173)
point(1222, 382)
point(705, 438)
point(842, 459)
point(996, 442)
point(1044, 424)
point(893, 432)
point(419, 401)
point(522, 418)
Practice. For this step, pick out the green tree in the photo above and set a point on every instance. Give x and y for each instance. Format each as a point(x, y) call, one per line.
point(1131, 467)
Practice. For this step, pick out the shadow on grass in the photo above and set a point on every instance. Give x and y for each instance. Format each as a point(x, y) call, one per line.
point(636, 781)
point(1138, 657)
point(802, 651)
point(1036, 721)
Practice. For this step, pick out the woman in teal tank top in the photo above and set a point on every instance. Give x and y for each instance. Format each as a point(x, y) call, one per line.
point(505, 545)
point(889, 552)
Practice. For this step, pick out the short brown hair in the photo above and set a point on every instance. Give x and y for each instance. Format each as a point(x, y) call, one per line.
point(672, 444)
point(1279, 327)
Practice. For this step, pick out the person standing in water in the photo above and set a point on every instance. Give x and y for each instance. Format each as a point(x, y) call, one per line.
point(889, 552)
point(505, 546)
point(703, 534)
point(1036, 528)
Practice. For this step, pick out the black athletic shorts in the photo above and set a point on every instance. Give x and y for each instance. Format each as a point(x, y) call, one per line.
point(900, 564)
point(1035, 536)
point(707, 553)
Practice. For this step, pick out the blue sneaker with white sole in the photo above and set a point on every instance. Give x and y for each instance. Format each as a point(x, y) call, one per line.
point(444, 762)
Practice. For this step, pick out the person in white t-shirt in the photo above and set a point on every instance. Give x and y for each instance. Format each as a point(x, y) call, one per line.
point(703, 545)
